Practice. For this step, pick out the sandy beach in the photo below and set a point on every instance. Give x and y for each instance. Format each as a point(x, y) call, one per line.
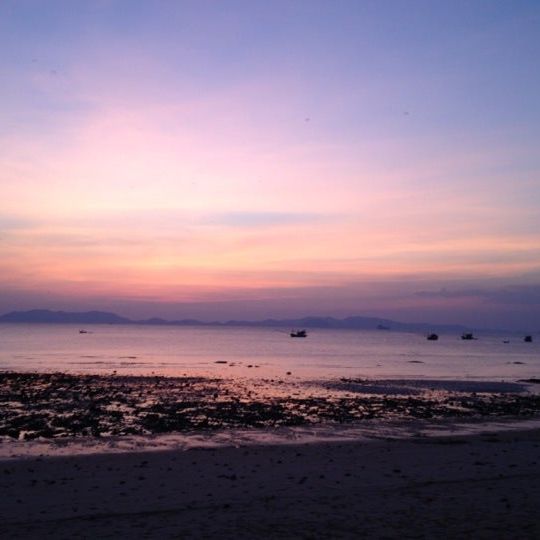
point(484, 486)
point(194, 457)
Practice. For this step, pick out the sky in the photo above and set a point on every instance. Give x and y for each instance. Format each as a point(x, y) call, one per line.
point(252, 159)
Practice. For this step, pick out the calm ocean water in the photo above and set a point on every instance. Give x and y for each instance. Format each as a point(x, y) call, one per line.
point(262, 352)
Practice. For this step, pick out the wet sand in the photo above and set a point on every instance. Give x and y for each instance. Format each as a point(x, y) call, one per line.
point(485, 486)
point(60, 405)
point(105, 471)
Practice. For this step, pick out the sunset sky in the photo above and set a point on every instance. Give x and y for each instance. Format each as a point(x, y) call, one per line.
point(248, 159)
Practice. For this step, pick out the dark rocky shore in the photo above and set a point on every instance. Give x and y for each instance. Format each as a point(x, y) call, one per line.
point(56, 405)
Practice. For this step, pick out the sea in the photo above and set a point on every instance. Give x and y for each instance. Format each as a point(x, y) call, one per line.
point(245, 352)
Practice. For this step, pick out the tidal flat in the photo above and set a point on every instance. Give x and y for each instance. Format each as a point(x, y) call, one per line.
point(61, 405)
point(115, 456)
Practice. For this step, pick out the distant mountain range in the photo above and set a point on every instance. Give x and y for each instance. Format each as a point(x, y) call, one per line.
point(45, 316)
point(63, 317)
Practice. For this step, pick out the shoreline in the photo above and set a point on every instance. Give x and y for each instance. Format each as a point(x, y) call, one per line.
point(416, 459)
point(473, 486)
point(62, 406)
point(365, 432)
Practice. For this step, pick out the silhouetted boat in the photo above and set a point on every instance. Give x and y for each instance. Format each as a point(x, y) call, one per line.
point(83, 331)
point(467, 336)
point(298, 333)
point(432, 337)
point(527, 339)
point(506, 341)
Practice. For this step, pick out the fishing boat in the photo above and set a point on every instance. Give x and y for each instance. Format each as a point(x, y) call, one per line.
point(298, 333)
point(467, 336)
point(432, 337)
point(527, 339)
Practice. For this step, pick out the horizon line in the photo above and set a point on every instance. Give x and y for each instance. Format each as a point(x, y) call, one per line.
point(240, 322)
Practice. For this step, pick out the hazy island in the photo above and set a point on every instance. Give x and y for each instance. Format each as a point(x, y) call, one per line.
point(46, 316)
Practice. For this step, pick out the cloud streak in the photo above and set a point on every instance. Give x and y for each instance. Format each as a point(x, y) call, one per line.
point(528, 295)
point(267, 219)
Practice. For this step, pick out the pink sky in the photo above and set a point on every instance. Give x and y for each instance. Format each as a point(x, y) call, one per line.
point(155, 173)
